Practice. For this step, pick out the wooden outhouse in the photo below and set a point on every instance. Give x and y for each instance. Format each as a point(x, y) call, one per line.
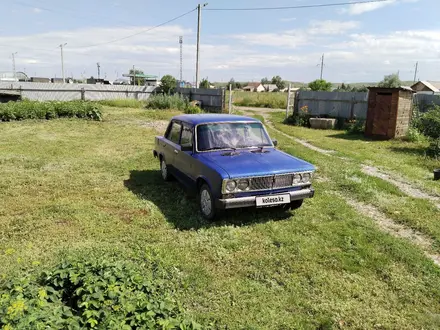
point(389, 112)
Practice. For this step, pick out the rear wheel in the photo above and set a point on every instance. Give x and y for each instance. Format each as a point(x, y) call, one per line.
point(294, 205)
point(164, 170)
point(206, 202)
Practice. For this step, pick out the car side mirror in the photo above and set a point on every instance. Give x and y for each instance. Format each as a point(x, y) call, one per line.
point(275, 142)
point(186, 148)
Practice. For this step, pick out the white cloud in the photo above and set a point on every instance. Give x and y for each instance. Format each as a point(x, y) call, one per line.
point(288, 19)
point(298, 37)
point(37, 10)
point(292, 54)
point(360, 8)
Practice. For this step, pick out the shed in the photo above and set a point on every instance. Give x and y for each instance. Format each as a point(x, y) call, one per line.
point(389, 112)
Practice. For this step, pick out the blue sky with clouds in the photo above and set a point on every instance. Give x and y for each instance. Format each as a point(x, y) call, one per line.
point(360, 42)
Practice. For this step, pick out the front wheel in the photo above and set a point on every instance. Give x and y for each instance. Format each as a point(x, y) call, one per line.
point(206, 202)
point(294, 205)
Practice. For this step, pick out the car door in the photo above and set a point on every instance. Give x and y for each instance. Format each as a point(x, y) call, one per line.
point(171, 146)
point(183, 160)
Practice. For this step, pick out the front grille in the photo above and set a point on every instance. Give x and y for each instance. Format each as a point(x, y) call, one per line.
point(271, 182)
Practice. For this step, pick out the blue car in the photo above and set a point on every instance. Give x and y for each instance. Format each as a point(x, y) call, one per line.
point(231, 162)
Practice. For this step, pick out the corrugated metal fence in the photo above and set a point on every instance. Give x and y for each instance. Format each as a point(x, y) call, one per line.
point(69, 92)
point(333, 104)
point(424, 100)
point(350, 105)
point(211, 99)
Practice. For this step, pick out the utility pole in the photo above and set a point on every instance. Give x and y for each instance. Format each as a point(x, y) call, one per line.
point(181, 59)
point(134, 76)
point(62, 61)
point(13, 66)
point(322, 65)
point(199, 23)
point(99, 70)
point(415, 73)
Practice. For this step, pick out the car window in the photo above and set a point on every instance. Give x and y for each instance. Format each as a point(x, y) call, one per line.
point(186, 139)
point(174, 133)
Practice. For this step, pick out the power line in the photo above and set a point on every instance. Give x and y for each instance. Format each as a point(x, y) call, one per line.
point(137, 33)
point(297, 7)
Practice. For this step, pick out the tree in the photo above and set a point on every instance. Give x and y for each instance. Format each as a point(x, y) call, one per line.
point(265, 81)
point(139, 81)
point(232, 83)
point(320, 85)
point(391, 81)
point(205, 83)
point(281, 84)
point(361, 89)
point(168, 83)
point(238, 85)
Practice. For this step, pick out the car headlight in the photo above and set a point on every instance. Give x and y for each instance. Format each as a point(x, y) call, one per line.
point(306, 177)
point(231, 185)
point(243, 184)
point(297, 179)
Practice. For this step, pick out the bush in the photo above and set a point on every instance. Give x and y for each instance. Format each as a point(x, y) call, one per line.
point(356, 126)
point(167, 102)
point(302, 118)
point(429, 123)
point(414, 135)
point(434, 149)
point(172, 102)
point(123, 103)
point(79, 294)
point(49, 110)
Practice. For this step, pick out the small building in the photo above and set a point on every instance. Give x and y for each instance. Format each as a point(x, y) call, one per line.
point(271, 88)
point(426, 86)
point(389, 112)
point(149, 80)
point(10, 76)
point(254, 87)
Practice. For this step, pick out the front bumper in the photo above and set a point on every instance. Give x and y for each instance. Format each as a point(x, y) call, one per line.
point(234, 203)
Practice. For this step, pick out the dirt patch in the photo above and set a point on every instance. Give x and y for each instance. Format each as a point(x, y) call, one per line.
point(405, 187)
point(395, 229)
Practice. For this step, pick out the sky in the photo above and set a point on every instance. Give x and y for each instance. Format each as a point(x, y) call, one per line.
point(361, 43)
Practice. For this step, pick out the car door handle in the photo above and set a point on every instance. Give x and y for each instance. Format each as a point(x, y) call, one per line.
point(176, 152)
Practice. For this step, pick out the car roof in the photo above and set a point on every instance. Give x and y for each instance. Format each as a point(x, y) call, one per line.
point(212, 118)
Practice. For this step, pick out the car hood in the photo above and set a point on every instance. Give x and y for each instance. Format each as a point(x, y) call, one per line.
point(247, 163)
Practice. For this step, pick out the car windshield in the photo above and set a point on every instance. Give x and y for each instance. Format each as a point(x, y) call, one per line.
point(220, 136)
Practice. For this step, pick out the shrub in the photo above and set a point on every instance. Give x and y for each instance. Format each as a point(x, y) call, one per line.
point(356, 126)
point(414, 135)
point(167, 102)
point(429, 123)
point(434, 149)
point(79, 294)
point(49, 110)
point(302, 118)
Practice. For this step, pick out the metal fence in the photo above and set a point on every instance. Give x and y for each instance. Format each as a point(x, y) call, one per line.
point(69, 92)
point(424, 100)
point(211, 99)
point(333, 104)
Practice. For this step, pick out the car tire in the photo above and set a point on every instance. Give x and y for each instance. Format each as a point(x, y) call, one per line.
point(206, 203)
point(164, 170)
point(294, 205)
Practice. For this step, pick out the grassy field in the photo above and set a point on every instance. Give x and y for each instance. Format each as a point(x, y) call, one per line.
point(81, 187)
point(259, 100)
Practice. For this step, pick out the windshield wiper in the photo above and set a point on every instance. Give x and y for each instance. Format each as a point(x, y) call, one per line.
point(222, 148)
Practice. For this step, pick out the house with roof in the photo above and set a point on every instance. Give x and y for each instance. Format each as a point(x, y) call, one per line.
point(254, 87)
point(426, 86)
point(271, 87)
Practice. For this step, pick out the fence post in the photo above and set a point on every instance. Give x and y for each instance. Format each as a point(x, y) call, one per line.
point(230, 98)
point(83, 94)
point(288, 101)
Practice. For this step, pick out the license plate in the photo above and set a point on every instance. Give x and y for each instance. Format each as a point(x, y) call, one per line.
point(273, 200)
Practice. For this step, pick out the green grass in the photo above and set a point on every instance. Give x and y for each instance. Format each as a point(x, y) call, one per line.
point(260, 100)
point(93, 188)
point(123, 103)
point(392, 156)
